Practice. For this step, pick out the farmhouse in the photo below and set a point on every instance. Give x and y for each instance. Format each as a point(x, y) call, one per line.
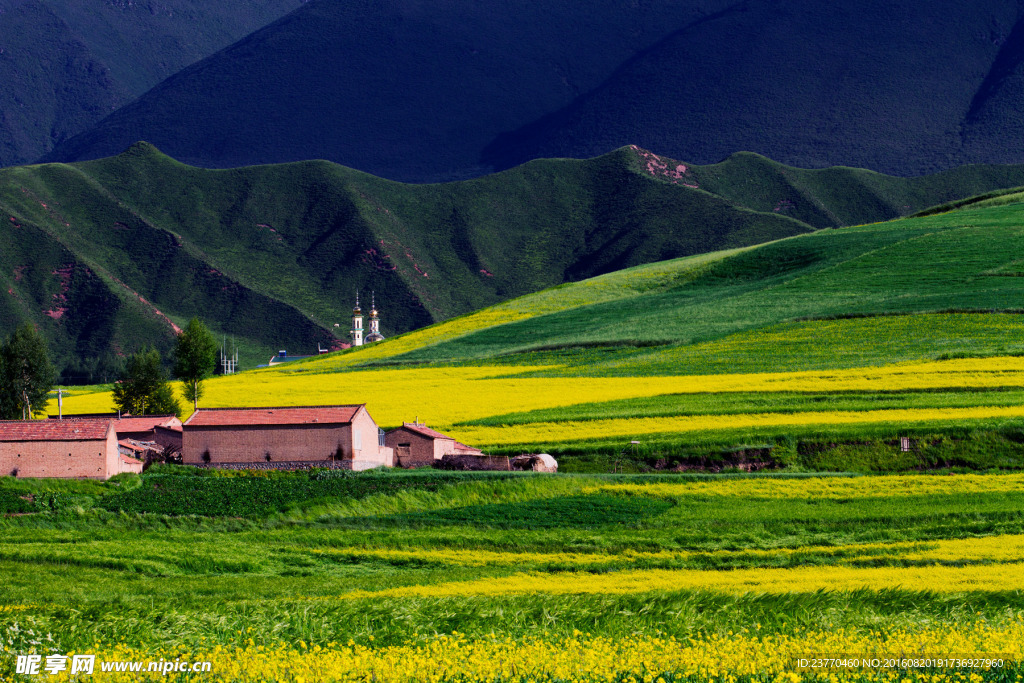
point(416, 445)
point(332, 436)
point(62, 448)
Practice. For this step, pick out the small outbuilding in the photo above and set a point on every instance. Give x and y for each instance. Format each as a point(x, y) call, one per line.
point(70, 449)
point(130, 464)
point(285, 437)
point(417, 445)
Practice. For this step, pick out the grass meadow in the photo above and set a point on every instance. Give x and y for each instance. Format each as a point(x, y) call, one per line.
point(411, 576)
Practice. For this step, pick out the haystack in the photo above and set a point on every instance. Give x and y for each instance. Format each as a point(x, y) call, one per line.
point(537, 462)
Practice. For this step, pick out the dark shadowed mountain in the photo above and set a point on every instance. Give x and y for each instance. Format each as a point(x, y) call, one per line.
point(899, 87)
point(107, 256)
point(66, 64)
point(411, 90)
point(425, 90)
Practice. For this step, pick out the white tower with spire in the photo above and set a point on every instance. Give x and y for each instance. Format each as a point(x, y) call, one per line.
point(375, 335)
point(357, 324)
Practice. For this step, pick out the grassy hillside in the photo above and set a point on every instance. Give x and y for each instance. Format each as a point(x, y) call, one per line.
point(124, 248)
point(690, 308)
point(273, 255)
point(327, 82)
point(871, 84)
point(51, 85)
point(476, 87)
point(841, 196)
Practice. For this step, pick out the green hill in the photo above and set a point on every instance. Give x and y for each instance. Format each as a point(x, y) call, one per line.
point(107, 255)
point(923, 288)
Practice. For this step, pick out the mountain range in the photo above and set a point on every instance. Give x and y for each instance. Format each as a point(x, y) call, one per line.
point(425, 90)
point(110, 255)
point(65, 65)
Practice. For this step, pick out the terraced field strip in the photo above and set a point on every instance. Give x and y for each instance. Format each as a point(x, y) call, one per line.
point(817, 488)
point(1002, 576)
point(594, 430)
point(992, 549)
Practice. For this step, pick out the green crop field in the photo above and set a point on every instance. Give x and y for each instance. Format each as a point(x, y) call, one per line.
point(457, 577)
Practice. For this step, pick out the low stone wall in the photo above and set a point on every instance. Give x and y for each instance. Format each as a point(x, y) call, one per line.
point(289, 465)
point(453, 461)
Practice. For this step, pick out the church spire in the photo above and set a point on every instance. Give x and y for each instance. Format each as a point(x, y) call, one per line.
point(375, 335)
point(357, 324)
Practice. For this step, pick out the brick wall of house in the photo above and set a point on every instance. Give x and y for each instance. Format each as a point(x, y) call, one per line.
point(133, 466)
point(94, 459)
point(356, 442)
point(368, 453)
point(168, 438)
point(422, 449)
point(266, 443)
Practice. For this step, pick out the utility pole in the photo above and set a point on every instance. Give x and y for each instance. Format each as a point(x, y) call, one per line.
point(228, 363)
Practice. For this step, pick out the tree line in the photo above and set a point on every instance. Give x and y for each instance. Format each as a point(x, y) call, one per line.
point(27, 376)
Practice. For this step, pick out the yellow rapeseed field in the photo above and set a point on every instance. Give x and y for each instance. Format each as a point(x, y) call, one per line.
point(896, 655)
point(594, 430)
point(446, 396)
point(989, 549)
point(938, 578)
point(826, 487)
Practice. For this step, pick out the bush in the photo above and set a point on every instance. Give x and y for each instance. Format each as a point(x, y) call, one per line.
point(16, 502)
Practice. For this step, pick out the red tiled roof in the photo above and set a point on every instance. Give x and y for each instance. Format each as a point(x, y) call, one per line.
point(130, 446)
point(54, 430)
point(226, 417)
point(170, 428)
point(424, 431)
point(128, 423)
point(143, 423)
point(130, 460)
point(463, 447)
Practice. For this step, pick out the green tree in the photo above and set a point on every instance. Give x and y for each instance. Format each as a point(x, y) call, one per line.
point(26, 374)
point(143, 388)
point(195, 357)
point(8, 406)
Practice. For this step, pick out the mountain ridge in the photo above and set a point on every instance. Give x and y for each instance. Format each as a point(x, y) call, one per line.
point(65, 65)
point(105, 256)
point(470, 91)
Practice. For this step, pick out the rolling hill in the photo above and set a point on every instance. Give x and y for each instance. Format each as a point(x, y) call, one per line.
point(942, 284)
point(109, 255)
point(432, 91)
point(64, 65)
